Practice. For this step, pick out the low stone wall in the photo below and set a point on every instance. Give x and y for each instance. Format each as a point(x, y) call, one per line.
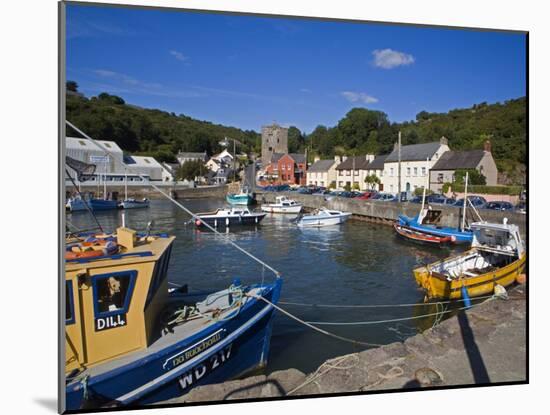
point(388, 212)
point(178, 192)
point(486, 344)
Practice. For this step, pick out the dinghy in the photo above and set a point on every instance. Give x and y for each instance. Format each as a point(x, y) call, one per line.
point(134, 204)
point(420, 237)
point(497, 257)
point(283, 205)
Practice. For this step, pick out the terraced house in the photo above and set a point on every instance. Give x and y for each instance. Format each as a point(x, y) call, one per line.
point(352, 171)
point(287, 169)
point(322, 172)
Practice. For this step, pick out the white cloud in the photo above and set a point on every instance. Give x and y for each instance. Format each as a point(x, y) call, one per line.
point(305, 90)
point(178, 55)
point(352, 96)
point(388, 58)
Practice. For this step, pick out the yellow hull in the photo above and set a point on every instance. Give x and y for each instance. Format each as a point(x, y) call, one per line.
point(437, 286)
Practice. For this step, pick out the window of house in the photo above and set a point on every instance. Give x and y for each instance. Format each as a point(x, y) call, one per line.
point(348, 173)
point(147, 161)
point(69, 303)
point(440, 178)
point(408, 171)
point(113, 292)
point(356, 173)
point(391, 171)
point(416, 171)
point(107, 145)
point(423, 171)
point(283, 167)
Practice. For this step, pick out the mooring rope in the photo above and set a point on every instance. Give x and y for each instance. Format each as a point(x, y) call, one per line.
point(311, 326)
point(376, 305)
point(226, 237)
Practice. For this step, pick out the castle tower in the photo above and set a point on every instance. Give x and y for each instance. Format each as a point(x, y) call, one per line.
point(274, 140)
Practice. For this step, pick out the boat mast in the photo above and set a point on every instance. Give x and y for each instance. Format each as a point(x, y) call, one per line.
point(125, 185)
point(465, 201)
point(399, 167)
point(425, 186)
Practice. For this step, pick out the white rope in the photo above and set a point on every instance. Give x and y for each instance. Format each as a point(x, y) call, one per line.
point(311, 326)
point(377, 305)
point(277, 273)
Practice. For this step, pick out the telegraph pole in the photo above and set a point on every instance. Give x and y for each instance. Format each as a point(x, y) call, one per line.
point(399, 166)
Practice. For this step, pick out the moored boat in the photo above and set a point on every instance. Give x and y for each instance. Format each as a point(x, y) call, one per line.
point(427, 222)
point(282, 205)
point(497, 256)
point(229, 217)
point(421, 237)
point(129, 341)
point(75, 204)
point(103, 204)
point(243, 198)
point(323, 217)
point(134, 203)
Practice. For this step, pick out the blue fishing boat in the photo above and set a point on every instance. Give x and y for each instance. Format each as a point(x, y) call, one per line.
point(243, 198)
point(132, 341)
point(427, 223)
point(103, 204)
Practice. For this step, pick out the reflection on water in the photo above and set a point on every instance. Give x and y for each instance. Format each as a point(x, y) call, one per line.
point(353, 263)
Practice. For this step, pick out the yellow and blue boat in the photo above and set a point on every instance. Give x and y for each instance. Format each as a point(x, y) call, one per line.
point(497, 256)
point(129, 340)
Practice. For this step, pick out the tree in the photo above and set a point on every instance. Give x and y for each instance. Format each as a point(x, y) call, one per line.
point(296, 141)
point(372, 180)
point(191, 169)
point(474, 177)
point(72, 86)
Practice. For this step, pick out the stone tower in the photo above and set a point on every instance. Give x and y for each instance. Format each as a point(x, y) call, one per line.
point(274, 140)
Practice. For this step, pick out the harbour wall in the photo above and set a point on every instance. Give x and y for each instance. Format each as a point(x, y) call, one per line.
point(483, 345)
point(144, 190)
point(388, 212)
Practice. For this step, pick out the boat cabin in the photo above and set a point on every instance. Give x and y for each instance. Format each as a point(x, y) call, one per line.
point(113, 302)
point(498, 237)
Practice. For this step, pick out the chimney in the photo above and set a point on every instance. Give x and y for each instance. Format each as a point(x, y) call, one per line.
point(369, 157)
point(443, 141)
point(487, 146)
point(395, 145)
point(337, 159)
point(316, 159)
point(344, 158)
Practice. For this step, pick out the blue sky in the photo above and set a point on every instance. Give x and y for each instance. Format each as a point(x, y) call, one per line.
point(247, 71)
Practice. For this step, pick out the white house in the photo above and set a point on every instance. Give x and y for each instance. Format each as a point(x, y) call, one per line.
point(352, 171)
point(183, 157)
point(146, 166)
point(416, 161)
point(322, 172)
point(225, 157)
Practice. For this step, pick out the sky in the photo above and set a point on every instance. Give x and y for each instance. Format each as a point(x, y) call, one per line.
point(249, 71)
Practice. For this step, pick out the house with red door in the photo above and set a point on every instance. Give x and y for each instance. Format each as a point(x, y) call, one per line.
point(286, 169)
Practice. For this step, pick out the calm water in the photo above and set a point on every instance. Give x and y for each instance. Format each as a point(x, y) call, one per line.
point(354, 263)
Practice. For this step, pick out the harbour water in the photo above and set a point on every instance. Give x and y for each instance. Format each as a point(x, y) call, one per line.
point(356, 263)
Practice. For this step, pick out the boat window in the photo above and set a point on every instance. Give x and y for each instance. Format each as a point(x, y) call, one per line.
point(112, 292)
point(492, 237)
point(69, 303)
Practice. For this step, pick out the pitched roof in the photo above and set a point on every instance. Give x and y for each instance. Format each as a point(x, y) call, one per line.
point(361, 163)
point(415, 152)
point(298, 157)
point(276, 156)
point(188, 155)
point(452, 160)
point(321, 166)
point(377, 163)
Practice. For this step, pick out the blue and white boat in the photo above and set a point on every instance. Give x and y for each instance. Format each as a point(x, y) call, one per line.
point(75, 204)
point(323, 217)
point(243, 198)
point(427, 222)
point(132, 341)
point(134, 203)
point(103, 204)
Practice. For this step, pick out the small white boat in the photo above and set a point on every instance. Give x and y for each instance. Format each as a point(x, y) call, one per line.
point(323, 217)
point(134, 204)
point(283, 205)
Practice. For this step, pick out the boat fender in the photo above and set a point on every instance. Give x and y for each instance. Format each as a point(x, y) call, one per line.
point(500, 292)
point(227, 221)
point(198, 222)
point(466, 297)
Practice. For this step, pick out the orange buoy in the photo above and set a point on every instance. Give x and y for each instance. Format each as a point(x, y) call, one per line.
point(521, 278)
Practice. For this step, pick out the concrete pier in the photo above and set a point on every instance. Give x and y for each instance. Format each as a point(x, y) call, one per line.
point(483, 345)
point(388, 212)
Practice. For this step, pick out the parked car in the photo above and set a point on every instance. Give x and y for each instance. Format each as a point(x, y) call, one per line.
point(305, 191)
point(322, 192)
point(450, 202)
point(478, 202)
point(436, 199)
point(385, 197)
point(499, 205)
point(416, 199)
point(366, 195)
